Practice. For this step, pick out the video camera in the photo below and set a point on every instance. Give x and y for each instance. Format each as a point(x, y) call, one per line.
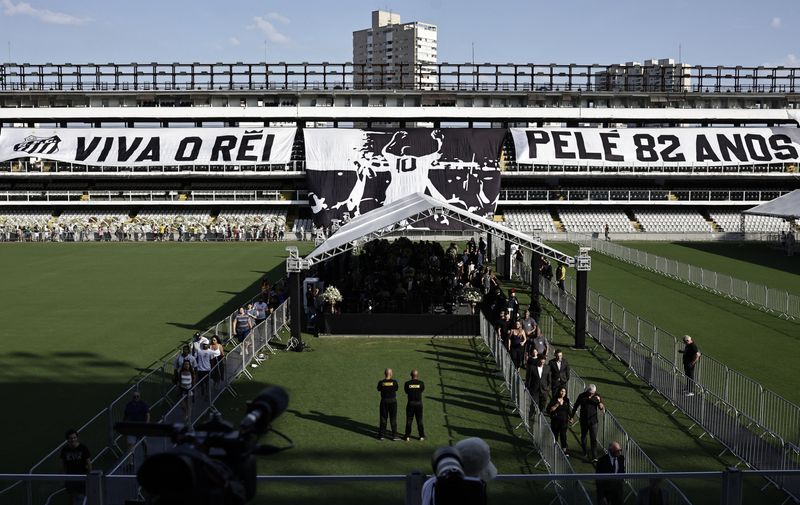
point(214, 464)
point(453, 486)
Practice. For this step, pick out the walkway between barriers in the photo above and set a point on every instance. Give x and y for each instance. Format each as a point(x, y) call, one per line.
point(756, 445)
point(538, 426)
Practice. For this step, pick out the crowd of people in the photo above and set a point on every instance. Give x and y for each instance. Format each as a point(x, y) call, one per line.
point(140, 233)
point(408, 277)
point(547, 371)
point(142, 229)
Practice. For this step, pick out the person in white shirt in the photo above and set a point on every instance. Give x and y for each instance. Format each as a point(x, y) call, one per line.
point(197, 343)
point(260, 308)
point(204, 357)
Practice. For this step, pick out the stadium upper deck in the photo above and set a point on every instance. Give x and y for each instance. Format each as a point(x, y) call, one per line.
point(325, 95)
point(506, 93)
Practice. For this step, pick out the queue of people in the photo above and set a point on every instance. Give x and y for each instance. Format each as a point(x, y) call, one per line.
point(198, 363)
point(547, 373)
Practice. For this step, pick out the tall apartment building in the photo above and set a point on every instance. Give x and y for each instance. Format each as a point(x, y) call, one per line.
point(653, 75)
point(392, 54)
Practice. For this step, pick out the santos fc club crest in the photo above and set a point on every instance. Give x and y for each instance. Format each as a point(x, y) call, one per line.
point(38, 145)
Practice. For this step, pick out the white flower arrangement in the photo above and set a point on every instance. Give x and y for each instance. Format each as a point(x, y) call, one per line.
point(472, 295)
point(332, 295)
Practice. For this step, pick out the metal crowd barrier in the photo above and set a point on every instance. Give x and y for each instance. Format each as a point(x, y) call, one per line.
point(534, 421)
point(744, 436)
point(609, 429)
point(769, 409)
point(157, 389)
point(233, 364)
point(204, 395)
point(731, 481)
point(766, 408)
point(771, 300)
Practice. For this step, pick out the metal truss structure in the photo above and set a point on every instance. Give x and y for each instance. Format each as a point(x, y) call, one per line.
point(383, 222)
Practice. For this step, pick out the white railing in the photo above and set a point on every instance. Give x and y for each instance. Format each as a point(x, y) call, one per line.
point(721, 399)
point(157, 388)
point(537, 423)
point(588, 167)
point(61, 167)
point(772, 300)
point(161, 196)
point(675, 196)
point(730, 482)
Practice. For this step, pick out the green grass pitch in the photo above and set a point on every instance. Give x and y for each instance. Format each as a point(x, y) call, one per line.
point(740, 336)
point(83, 320)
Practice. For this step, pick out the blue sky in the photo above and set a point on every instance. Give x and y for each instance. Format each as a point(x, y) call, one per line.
point(710, 32)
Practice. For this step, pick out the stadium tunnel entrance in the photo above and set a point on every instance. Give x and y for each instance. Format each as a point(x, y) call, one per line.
point(415, 208)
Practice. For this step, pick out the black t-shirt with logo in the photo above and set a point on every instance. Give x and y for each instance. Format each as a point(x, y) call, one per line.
point(388, 389)
point(74, 458)
point(414, 389)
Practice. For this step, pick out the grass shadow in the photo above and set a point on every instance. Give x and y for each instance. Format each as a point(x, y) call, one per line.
point(341, 422)
point(756, 253)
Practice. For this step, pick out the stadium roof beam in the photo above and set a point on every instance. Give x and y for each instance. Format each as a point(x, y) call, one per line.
point(383, 114)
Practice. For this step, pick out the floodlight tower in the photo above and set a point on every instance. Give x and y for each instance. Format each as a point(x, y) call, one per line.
point(583, 263)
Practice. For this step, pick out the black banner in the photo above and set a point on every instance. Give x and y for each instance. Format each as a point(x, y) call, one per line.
point(351, 172)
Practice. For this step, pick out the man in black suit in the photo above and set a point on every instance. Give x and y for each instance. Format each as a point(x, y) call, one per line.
point(537, 380)
point(502, 327)
point(559, 372)
point(611, 492)
point(590, 404)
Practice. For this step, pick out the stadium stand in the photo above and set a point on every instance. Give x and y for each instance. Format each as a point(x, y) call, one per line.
point(530, 219)
point(306, 224)
point(90, 225)
point(656, 221)
point(23, 218)
point(730, 221)
point(150, 224)
point(588, 220)
point(766, 224)
point(252, 224)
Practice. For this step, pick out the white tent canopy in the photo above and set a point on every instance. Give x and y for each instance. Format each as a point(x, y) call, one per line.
point(412, 209)
point(786, 206)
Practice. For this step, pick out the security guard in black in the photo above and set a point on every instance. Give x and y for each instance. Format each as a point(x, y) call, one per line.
point(414, 389)
point(388, 388)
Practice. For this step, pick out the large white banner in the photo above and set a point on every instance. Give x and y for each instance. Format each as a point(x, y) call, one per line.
point(149, 146)
point(637, 146)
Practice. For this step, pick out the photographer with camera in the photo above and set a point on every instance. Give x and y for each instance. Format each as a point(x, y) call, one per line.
point(213, 465)
point(460, 474)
